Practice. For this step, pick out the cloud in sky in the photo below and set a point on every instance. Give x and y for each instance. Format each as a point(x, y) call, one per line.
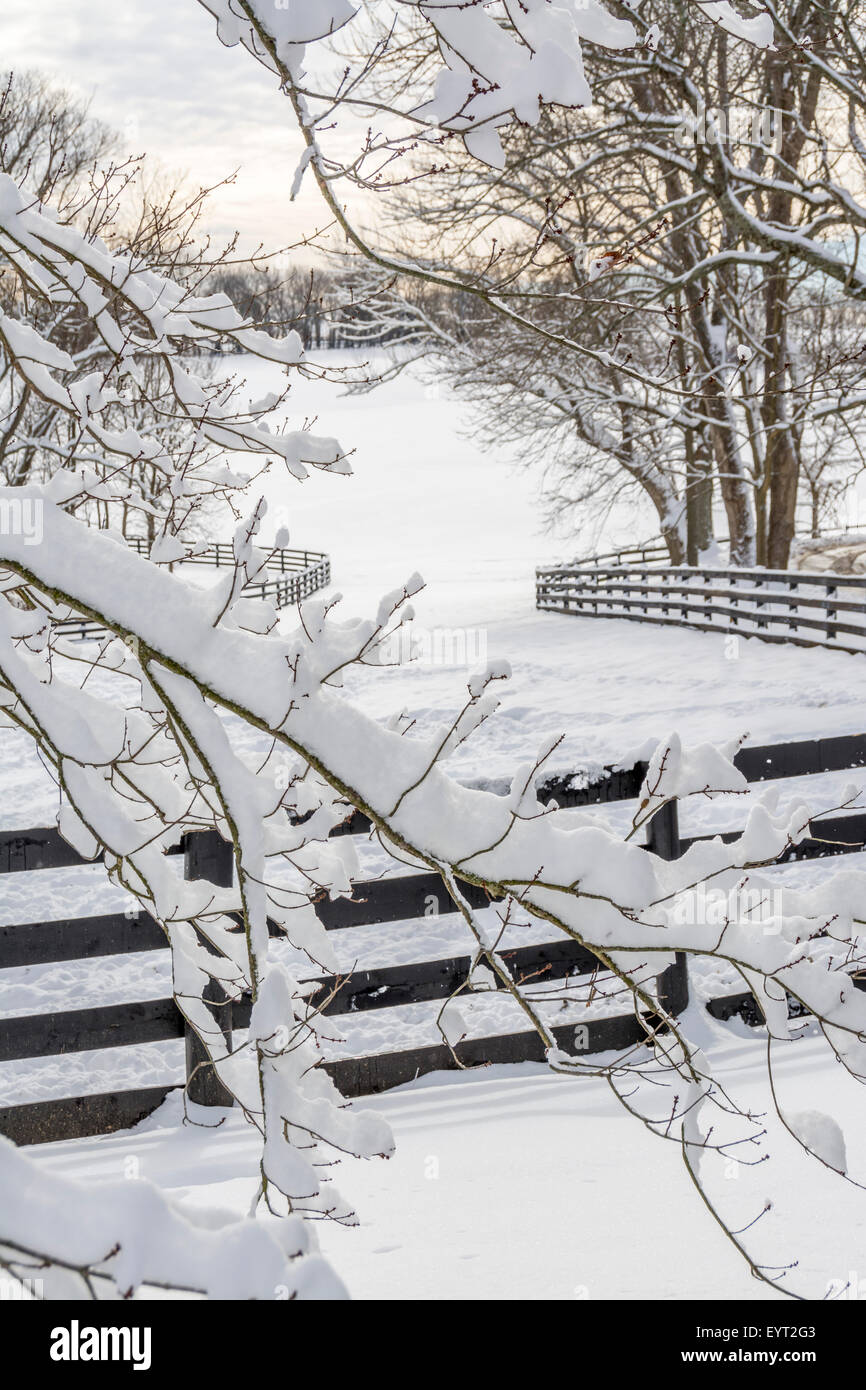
point(156, 72)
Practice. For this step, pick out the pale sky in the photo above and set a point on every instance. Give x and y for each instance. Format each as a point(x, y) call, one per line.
point(155, 70)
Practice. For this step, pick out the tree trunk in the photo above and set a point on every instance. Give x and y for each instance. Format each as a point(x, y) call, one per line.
point(674, 542)
point(781, 458)
point(733, 485)
point(735, 495)
point(784, 481)
point(699, 500)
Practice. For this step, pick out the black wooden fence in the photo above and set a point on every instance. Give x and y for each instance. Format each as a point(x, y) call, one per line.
point(656, 552)
point(827, 610)
point(395, 899)
point(292, 575)
point(650, 552)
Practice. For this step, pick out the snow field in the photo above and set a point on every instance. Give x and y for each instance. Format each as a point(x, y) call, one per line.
point(465, 1208)
point(514, 1183)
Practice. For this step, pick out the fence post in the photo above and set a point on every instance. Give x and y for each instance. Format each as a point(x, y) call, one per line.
point(663, 839)
point(794, 612)
point(831, 612)
point(207, 855)
point(663, 832)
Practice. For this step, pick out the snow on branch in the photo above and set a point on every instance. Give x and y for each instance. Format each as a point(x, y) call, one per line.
point(82, 1241)
point(144, 321)
point(756, 29)
point(141, 737)
point(607, 894)
point(499, 61)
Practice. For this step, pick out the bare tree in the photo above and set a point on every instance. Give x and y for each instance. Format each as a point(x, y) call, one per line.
point(749, 222)
point(50, 142)
point(139, 742)
point(48, 138)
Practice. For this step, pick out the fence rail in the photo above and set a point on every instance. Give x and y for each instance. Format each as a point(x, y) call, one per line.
point(401, 898)
point(774, 605)
point(650, 553)
point(299, 573)
point(221, 553)
point(657, 552)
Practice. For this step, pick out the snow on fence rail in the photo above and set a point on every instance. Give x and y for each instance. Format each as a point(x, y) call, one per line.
point(299, 574)
point(379, 902)
point(652, 552)
point(656, 552)
point(827, 610)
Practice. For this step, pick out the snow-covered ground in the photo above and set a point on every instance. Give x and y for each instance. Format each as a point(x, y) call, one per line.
point(465, 1208)
point(425, 498)
point(513, 1183)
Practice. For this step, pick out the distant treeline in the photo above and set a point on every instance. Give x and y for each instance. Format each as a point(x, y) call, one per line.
point(322, 306)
